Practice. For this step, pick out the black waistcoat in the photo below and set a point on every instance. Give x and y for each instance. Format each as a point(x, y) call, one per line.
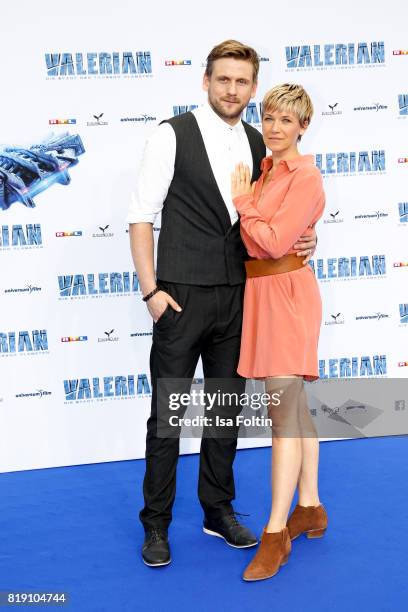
point(197, 243)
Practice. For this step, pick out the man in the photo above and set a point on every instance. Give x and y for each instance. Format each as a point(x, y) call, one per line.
point(196, 304)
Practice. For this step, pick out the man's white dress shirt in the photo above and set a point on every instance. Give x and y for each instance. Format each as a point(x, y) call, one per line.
point(226, 145)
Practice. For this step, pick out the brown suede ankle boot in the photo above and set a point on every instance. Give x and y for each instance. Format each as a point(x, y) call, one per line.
point(273, 551)
point(311, 520)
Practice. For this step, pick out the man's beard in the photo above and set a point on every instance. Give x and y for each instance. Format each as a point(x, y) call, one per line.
point(219, 110)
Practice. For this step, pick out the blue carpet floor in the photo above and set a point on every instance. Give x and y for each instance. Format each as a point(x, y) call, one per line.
point(76, 530)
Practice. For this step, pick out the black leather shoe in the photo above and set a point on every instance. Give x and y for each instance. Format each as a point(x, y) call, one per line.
point(228, 528)
point(156, 549)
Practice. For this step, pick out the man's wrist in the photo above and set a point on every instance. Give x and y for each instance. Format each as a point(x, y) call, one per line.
point(147, 297)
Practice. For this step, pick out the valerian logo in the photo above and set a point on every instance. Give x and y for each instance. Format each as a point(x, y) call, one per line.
point(339, 55)
point(15, 236)
point(89, 65)
point(350, 367)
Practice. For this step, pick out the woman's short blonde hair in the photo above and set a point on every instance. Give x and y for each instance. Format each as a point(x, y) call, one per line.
point(289, 97)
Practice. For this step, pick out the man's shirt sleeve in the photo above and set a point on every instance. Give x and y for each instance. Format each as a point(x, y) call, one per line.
point(155, 175)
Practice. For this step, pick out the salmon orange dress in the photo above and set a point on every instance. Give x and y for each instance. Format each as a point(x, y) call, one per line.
point(282, 312)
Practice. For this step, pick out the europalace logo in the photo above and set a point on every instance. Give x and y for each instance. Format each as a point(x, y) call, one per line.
point(333, 217)
point(97, 65)
point(354, 163)
point(347, 55)
point(106, 388)
point(97, 120)
point(353, 367)
point(19, 237)
point(335, 319)
point(361, 267)
point(334, 110)
point(24, 342)
point(103, 232)
point(102, 284)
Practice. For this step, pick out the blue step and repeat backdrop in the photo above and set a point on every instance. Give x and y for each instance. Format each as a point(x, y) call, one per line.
point(82, 88)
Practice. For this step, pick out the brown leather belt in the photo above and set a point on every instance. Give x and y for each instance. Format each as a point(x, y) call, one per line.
point(265, 267)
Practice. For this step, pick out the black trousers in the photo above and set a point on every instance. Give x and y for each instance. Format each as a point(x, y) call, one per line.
point(208, 326)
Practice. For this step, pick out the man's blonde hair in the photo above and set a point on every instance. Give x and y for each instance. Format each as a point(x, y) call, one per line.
point(289, 97)
point(236, 50)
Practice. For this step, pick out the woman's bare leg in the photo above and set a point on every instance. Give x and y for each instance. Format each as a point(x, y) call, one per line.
point(308, 477)
point(286, 447)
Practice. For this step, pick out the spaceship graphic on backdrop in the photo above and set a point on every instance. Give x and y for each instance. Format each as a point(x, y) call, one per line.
point(24, 173)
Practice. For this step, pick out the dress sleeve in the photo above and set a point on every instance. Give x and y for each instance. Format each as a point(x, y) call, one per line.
point(295, 214)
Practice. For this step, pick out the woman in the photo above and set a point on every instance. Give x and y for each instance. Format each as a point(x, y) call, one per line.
point(282, 316)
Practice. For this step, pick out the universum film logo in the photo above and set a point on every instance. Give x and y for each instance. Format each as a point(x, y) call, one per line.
point(349, 268)
point(16, 237)
point(27, 290)
point(98, 65)
point(14, 343)
point(354, 163)
point(102, 389)
point(102, 284)
point(377, 316)
point(376, 215)
point(38, 393)
point(139, 119)
point(376, 106)
point(335, 56)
